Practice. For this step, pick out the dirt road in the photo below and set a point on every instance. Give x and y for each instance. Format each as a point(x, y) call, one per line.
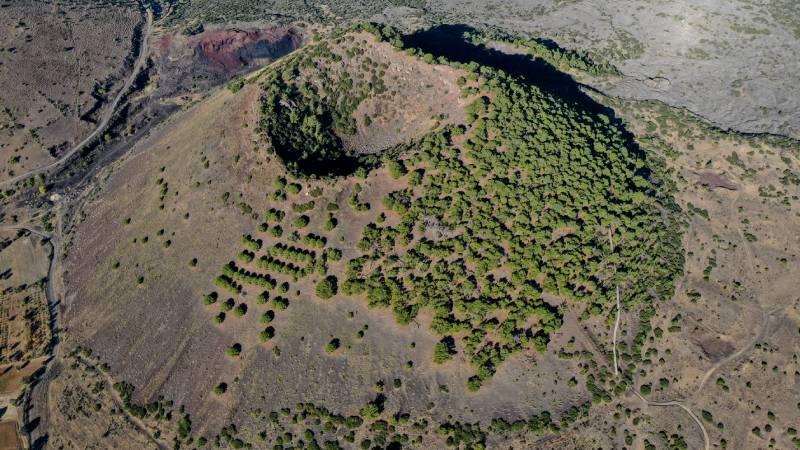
point(683, 407)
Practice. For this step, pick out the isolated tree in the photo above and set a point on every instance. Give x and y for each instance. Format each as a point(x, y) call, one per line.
point(267, 334)
point(221, 388)
point(234, 350)
point(332, 345)
point(327, 287)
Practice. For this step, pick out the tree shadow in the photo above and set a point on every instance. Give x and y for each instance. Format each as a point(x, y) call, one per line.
point(40, 443)
point(449, 41)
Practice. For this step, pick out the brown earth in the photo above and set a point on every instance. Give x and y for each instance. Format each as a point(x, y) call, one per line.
point(23, 261)
point(714, 180)
point(9, 438)
point(422, 97)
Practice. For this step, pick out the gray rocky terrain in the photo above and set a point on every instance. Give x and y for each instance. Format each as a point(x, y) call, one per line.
point(735, 63)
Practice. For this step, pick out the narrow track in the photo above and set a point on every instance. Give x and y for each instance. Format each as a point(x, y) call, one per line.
point(685, 408)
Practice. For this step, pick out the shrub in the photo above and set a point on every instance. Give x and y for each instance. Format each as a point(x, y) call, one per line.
point(303, 207)
point(313, 240)
point(221, 389)
point(267, 334)
point(268, 316)
point(280, 303)
point(330, 224)
point(372, 409)
point(240, 310)
point(219, 318)
point(332, 345)
point(416, 178)
point(211, 298)
point(327, 287)
point(274, 215)
point(293, 188)
point(300, 221)
point(234, 350)
point(276, 231)
point(235, 85)
point(444, 350)
point(474, 383)
point(396, 169)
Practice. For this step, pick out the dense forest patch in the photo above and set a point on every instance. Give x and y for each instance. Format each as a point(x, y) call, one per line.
point(531, 204)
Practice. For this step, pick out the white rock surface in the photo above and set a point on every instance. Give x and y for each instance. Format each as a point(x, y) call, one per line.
point(734, 62)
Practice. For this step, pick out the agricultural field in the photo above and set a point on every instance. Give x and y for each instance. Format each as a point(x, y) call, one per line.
point(26, 332)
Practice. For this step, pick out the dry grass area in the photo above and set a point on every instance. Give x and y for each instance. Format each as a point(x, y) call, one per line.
point(24, 259)
point(90, 413)
point(9, 439)
point(61, 61)
point(24, 312)
point(728, 339)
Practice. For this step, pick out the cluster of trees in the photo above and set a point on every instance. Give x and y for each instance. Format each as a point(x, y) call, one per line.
point(303, 207)
point(294, 254)
point(239, 274)
point(535, 189)
point(252, 243)
point(302, 424)
point(276, 265)
point(274, 215)
point(313, 240)
point(227, 283)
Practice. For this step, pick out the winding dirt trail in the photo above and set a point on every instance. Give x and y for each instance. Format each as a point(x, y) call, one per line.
point(685, 408)
point(137, 423)
point(109, 113)
point(762, 332)
point(699, 423)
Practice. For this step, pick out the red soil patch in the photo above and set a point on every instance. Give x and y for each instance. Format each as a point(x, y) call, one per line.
point(230, 50)
point(166, 41)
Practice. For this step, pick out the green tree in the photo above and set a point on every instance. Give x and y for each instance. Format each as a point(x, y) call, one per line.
point(327, 287)
point(234, 350)
point(333, 345)
point(444, 350)
point(267, 334)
